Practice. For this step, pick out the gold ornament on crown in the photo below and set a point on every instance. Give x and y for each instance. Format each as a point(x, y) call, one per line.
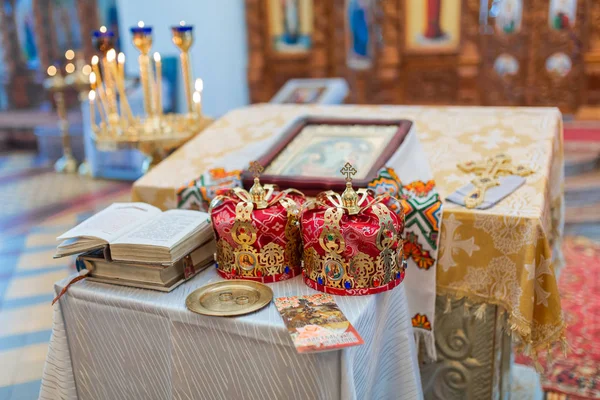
point(154, 133)
point(244, 260)
point(361, 271)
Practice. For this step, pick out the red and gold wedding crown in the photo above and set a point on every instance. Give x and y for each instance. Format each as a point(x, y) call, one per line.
point(352, 243)
point(257, 231)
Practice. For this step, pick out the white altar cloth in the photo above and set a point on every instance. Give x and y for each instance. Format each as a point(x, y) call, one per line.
point(114, 342)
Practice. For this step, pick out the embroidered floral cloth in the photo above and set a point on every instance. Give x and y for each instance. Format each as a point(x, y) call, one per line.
point(506, 255)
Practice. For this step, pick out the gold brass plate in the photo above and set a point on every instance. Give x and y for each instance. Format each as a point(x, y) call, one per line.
point(229, 298)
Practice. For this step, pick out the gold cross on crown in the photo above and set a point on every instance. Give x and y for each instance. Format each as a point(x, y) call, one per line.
point(256, 168)
point(349, 171)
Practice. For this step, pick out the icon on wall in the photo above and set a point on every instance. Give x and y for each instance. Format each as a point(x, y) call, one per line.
point(432, 26)
point(562, 14)
point(506, 65)
point(359, 35)
point(290, 25)
point(510, 15)
point(559, 65)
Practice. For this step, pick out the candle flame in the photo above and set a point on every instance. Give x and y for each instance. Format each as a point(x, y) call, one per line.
point(141, 24)
point(95, 60)
point(121, 58)
point(70, 68)
point(103, 29)
point(199, 85)
point(182, 23)
point(196, 97)
point(69, 54)
point(92, 95)
point(111, 55)
point(51, 70)
point(156, 57)
point(86, 69)
point(93, 78)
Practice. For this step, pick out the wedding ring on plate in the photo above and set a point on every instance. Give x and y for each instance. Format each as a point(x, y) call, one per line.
point(229, 298)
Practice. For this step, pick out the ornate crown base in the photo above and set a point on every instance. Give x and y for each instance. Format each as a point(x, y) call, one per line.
point(354, 292)
point(271, 264)
point(292, 272)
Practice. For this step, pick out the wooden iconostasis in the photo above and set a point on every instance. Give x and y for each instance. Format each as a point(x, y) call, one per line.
point(459, 52)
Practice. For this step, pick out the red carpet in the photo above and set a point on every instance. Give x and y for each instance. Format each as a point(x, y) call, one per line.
point(582, 131)
point(578, 376)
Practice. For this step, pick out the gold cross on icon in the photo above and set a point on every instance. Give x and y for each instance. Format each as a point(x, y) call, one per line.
point(349, 171)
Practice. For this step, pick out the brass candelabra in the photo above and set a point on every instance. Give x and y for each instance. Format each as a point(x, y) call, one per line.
point(155, 134)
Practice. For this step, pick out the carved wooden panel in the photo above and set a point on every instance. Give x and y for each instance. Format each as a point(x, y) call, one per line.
point(471, 76)
point(473, 355)
point(269, 70)
point(503, 85)
point(552, 88)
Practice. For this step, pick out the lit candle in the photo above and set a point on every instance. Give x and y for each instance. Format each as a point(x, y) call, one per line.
point(92, 97)
point(110, 79)
point(197, 104)
point(96, 69)
point(199, 85)
point(121, 61)
point(158, 92)
point(95, 86)
point(142, 40)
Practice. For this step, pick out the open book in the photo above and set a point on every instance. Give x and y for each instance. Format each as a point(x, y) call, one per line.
point(139, 232)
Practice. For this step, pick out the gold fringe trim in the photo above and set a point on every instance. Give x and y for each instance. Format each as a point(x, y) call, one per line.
point(480, 312)
point(448, 305)
point(517, 328)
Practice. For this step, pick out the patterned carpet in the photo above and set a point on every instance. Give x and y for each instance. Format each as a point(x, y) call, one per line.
point(37, 205)
point(577, 375)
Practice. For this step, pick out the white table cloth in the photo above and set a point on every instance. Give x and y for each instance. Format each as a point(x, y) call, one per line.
point(114, 342)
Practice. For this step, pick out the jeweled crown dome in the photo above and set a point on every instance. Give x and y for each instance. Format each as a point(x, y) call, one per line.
point(352, 243)
point(257, 231)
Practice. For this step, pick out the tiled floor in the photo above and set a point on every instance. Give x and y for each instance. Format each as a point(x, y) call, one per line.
point(36, 206)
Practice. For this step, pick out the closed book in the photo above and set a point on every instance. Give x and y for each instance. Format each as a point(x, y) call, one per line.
point(145, 275)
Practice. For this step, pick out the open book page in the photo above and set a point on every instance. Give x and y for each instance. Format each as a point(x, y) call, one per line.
point(113, 221)
point(166, 230)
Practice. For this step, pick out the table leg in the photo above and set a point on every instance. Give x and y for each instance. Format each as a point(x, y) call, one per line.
point(474, 355)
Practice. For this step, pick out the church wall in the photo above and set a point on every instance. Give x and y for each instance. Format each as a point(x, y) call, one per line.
point(219, 53)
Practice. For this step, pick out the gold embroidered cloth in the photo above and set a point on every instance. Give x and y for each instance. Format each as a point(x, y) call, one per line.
point(506, 255)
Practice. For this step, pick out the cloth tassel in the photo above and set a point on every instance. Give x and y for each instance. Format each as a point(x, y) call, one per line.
point(527, 349)
point(564, 345)
point(82, 275)
point(549, 356)
point(480, 312)
point(466, 309)
point(428, 340)
point(536, 362)
point(538, 366)
point(448, 305)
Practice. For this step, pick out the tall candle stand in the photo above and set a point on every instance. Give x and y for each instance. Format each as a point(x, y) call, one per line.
point(56, 84)
point(142, 40)
point(79, 80)
point(183, 38)
point(155, 134)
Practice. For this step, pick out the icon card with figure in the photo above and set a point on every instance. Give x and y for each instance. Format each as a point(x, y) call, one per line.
point(316, 323)
point(309, 155)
